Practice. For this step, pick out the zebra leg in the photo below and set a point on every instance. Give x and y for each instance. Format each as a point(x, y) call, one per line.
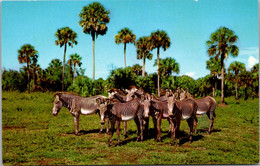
point(142, 129)
point(107, 122)
point(112, 133)
point(118, 132)
point(76, 122)
point(172, 126)
point(125, 130)
point(211, 118)
point(138, 127)
point(190, 123)
point(195, 124)
point(159, 129)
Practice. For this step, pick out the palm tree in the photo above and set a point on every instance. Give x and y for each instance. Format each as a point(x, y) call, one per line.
point(215, 70)
point(137, 69)
point(144, 47)
point(65, 36)
point(25, 55)
point(74, 60)
point(236, 67)
point(125, 36)
point(159, 39)
point(35, 68)
point(221, 43)
point(93, 19)
point(168, 66)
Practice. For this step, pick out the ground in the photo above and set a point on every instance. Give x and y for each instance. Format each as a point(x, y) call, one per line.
point(32, 136)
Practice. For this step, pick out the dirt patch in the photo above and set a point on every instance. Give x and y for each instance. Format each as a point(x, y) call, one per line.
point(12, 128)
point(49, 161)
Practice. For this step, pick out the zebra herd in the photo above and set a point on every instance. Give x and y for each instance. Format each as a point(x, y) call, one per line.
point(134, 103)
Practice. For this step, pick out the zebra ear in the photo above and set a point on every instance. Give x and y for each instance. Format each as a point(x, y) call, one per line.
point(142, 98)
point(108, 101)
point(98, 100)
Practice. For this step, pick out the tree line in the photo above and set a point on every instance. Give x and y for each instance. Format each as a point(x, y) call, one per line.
point(94, 17)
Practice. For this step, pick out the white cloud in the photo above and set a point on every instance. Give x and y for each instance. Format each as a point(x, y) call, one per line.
point(251, 62)
point(191, 74)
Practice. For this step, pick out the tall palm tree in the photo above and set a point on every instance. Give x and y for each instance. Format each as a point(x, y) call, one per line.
point(144, 47)
point(25, 55)
point(159, 39)
point(168, 66)
point(93, 19)
point(65, 36)
point(236, 67)
point(125, 36)
point(221, 44)
point(74, 60)
point(215, 70)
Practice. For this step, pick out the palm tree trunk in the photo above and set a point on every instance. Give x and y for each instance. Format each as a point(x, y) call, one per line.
point(125, 54)
point(34, 79)
point(74, 73)
point(143, 72)
point(28, 75)
point(216, 86)
point(93, 47)
point(158, 72)
point(236, 89)
point(63, 68)
point(222, 79)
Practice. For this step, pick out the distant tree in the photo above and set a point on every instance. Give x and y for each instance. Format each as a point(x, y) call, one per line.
point(65, 36)
point(255, 75)
point(25, 55)
point(221, 44)
point(125, 36)
point(122, 78)
point(53, 74)
point(35, 69)
point(13, 80)
point(74, 60)
point(93, 19)
point(137, 69)
point(159, 39)
point(236, 68)
point(168, 66)
point(246, 81)
point(144, 47)
point(215, 70)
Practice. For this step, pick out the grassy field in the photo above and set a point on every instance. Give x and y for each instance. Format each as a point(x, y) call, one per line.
point(32, 136)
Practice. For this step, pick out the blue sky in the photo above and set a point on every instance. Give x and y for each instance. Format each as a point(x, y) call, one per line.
point(188, 23)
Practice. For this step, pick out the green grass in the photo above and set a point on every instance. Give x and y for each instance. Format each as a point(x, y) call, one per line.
point(32, 136)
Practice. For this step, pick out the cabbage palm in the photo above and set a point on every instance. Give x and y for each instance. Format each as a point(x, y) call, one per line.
point(236, 68)
point(168, 66)
point(221, 44)
point(159, 39)
point(25, 55)
point(215, 70)
point(93, 19)
point(74, 60)
point(125, 36)
point(144, 47)
point(65, 36)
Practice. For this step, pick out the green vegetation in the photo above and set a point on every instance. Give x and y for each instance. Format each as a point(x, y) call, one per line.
point(32, 136)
